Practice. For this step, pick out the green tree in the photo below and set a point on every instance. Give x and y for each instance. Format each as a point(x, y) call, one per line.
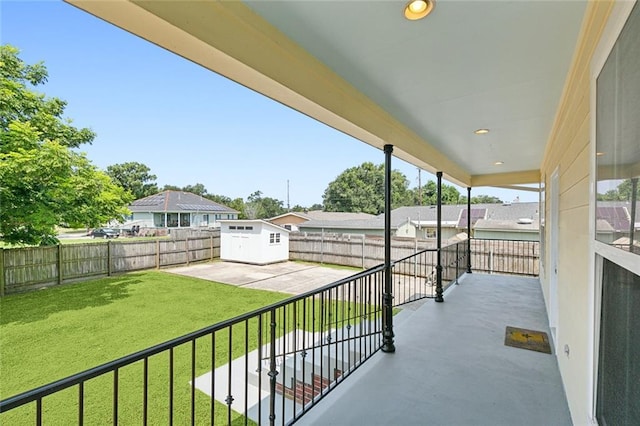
point(361, 189)
point(485, 199)
point(428, 194)
point(135, 178)
point(621, 193)
point(44, 183)
point(198, 189)
point(259, 207)
point(235, 203)
point(171, 188)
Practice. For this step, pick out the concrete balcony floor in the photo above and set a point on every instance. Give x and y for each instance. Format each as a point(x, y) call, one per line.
point(451, 366)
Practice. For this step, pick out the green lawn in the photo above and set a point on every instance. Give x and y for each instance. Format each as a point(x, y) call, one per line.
point(50, 334)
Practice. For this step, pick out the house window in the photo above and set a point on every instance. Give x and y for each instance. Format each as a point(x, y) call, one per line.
point(232, 227)
point(617, 214)
point(274, 238)
point(172, 220)
point(430, 233)
point(617, 141)
point(185, 219)
point(158, 220)
point(618, 400)
point(249, 228)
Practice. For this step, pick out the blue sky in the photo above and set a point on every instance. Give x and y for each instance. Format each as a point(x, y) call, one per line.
point(186, 123)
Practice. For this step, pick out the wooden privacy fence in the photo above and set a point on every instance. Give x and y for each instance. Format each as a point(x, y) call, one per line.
point(511, 257)
point(360, 251)
point(488, 256)
point(30, 268)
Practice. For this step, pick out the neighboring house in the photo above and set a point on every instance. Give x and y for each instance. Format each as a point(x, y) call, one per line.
point(178, 209)
point(522, 229)
point(253, 241)
point(421, 222)
point(291, 220)
point(373, 226)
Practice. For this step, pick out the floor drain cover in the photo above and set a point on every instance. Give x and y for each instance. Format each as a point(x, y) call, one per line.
point(527, 339)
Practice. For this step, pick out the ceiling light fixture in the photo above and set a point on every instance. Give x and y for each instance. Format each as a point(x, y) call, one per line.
point(481, 131)
point(499, 163)
point(599, 154)
point(418, 9)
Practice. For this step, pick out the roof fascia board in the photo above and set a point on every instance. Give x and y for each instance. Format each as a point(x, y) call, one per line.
point(512, 178)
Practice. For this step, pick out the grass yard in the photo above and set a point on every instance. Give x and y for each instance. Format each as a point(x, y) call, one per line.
point(50, 334)
point(53, 333)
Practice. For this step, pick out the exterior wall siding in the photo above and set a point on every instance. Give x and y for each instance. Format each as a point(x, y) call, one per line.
point(568, 151)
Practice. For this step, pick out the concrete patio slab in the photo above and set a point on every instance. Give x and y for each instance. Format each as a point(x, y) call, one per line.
point(284, 277)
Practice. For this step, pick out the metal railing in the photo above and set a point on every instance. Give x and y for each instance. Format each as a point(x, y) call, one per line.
point(267, 366)
point(513, 257)
point(414, 277)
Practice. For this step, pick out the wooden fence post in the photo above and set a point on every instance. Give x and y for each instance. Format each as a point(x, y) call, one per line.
point(157, 254)
point(1, 272)
point(109, 258)
point(59, 263)
point(211, 236)
point(186, 248)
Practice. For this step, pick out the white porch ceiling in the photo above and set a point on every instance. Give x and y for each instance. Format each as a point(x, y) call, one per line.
point(362, 68)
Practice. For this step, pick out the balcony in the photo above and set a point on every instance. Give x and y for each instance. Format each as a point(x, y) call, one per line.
point(451, 365)
point(275, 364)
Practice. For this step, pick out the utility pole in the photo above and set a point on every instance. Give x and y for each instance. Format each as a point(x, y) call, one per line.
point(419, 187)
point(288, 203)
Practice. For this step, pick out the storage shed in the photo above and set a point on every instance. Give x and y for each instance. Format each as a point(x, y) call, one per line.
point(253, 241)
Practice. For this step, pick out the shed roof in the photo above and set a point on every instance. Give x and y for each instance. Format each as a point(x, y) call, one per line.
point(254, 221)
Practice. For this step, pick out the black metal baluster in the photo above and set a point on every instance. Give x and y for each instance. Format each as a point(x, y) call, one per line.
point(272, 370)
point(260, 369)
point(313, 347)
point(193, 382)
point(170, 386)
point(229, 398)
point(213, 378)
point(246, 371)
point(115, 397)
point(304, 351)
point(145, 391)
point(39, 411)
point(80, 403)
point(294, 377)
point(283, 368)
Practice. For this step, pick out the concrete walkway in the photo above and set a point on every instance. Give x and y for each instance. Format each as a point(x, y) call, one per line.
point(451, 366)
point(284, 277)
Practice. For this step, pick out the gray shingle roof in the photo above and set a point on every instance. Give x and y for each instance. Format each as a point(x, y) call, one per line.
point(450, 213)
point(178, 201)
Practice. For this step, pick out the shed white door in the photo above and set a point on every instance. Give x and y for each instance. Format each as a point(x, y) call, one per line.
point(239, 247)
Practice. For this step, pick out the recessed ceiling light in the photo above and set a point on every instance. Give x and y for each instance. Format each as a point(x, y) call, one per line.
point(599, 154)
point(499, 163)
point(481, 131)
point(418, 9)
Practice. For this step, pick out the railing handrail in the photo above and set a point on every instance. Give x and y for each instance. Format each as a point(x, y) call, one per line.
point(48, 389)
point(416, 254)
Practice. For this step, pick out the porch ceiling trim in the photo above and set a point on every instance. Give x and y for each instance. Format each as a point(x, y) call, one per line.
point(503, 179)
point(230, 39)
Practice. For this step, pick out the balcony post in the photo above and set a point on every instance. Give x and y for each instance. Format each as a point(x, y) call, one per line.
point(439, 297)
point(387, 297)
point(468, 230)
